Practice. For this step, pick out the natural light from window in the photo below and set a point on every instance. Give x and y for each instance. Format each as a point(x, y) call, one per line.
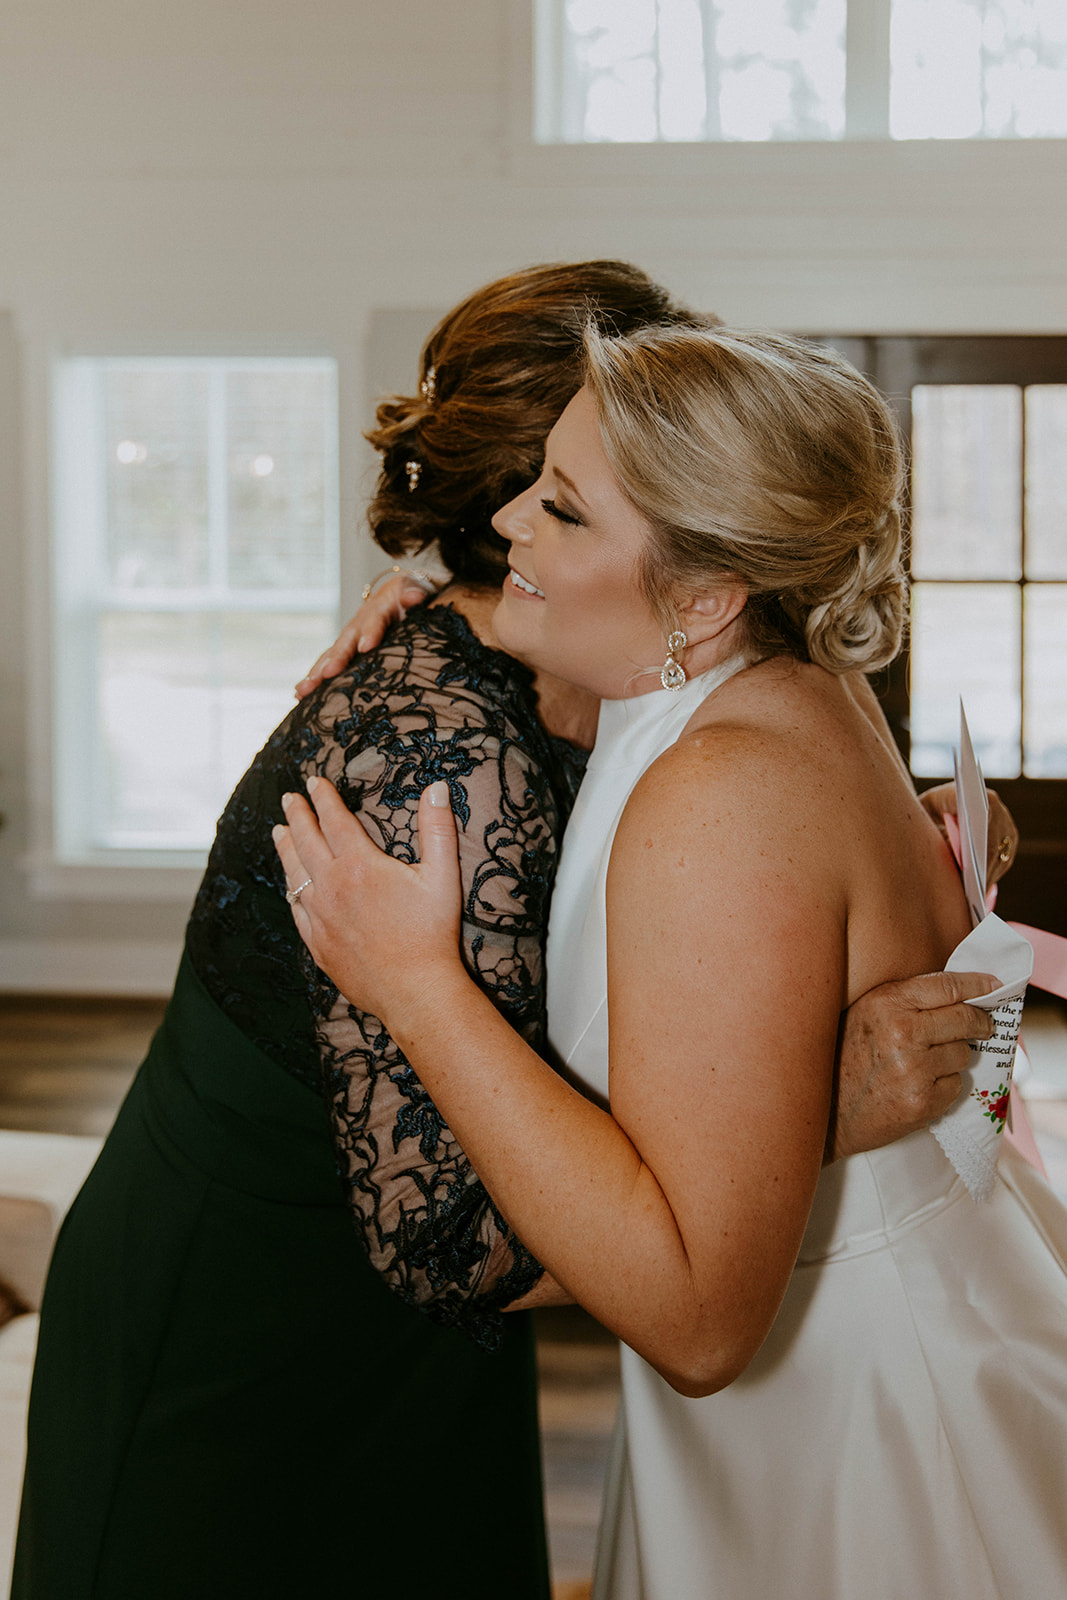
point(989, 564)
point(196, 578)
point(967, 69)
point(643, 71)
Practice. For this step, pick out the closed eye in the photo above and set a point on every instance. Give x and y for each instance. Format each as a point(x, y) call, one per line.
point(560, 515)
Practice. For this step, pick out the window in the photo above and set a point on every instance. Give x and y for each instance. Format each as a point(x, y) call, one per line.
point(987, 419)
point(196, 578)
point(989, 569)
point(650, 70)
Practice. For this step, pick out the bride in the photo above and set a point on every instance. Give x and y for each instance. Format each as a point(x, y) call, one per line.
point(832, 1386)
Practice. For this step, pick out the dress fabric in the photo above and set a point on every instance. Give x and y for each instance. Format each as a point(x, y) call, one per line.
point(902, 1433)
point(272, 1362)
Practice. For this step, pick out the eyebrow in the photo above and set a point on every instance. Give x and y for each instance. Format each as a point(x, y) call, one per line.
point(571, 485)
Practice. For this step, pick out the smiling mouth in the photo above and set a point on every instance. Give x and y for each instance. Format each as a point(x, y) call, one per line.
point(527, 588)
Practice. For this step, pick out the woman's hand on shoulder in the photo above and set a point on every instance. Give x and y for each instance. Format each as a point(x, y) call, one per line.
point(380, 929)
point(366, 630)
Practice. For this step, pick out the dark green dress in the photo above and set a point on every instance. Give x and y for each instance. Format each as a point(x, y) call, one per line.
point(272, 1359)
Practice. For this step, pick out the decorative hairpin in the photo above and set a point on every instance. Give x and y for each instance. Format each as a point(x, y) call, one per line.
point(428, 386)
point(414, 472)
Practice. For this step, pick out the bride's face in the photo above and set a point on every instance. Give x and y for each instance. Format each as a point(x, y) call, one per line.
point(572, 604)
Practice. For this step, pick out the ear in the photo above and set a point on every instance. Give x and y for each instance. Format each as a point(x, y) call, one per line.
point(704, 616)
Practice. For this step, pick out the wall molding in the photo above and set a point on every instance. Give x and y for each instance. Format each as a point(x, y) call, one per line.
point(83, 966)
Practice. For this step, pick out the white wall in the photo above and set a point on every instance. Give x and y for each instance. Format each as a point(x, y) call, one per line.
point(254, 172)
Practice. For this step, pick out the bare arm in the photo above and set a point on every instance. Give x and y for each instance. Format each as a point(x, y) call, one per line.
point(617, 1207)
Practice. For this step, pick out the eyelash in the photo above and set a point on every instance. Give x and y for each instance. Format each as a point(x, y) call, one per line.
point(561, 516)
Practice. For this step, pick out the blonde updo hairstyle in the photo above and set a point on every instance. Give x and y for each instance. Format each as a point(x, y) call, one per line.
point(768, 459)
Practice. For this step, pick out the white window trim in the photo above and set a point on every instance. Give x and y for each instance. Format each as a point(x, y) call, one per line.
point(164, 876)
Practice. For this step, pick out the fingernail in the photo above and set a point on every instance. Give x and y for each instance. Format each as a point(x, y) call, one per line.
point(277, 832)
point(362, 643)
point(312, 785)
point(439, 793)
point(287, 800)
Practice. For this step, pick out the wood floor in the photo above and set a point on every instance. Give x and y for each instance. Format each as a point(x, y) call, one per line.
point(65, 1065)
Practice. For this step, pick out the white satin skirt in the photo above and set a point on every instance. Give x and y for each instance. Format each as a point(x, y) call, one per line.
point(902, 1434)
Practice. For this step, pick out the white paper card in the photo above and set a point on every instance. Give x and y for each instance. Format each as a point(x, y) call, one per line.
point(973, 814)
point(970, 1131)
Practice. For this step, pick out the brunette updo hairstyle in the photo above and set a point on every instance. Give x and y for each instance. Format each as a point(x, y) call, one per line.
point(494, 376)
point(764, 458)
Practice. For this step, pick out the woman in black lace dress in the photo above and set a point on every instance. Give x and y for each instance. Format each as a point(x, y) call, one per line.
point(228, 1400)
point(238, 1392)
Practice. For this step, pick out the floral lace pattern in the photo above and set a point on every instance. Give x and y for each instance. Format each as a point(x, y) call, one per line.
point(432, 702)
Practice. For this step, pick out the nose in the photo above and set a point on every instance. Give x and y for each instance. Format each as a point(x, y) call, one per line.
point(513, 521)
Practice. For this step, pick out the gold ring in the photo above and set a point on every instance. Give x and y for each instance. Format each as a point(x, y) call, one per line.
point(293, 895)
point(1004, 849)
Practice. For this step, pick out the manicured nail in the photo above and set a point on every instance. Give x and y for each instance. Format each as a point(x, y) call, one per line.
point(287, 800)
point(439, 793)
point(277, 832)
point(312, 785)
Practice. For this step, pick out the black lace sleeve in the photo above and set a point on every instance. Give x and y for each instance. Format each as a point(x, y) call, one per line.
point(415, 712)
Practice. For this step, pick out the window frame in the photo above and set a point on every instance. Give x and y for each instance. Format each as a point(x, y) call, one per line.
point(60, 865)
point(1035, 891)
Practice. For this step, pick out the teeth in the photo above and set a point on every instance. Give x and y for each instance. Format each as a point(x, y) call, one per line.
point(520, 583)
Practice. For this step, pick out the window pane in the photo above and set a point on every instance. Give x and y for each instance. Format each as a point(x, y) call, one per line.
point(612, 49)
point(155, 423)
point(277, 452)
point(1046, 481)
point(961, 69)
point(640, 70)
point(682, 90)
point(779, 69)
point(186, 700)
point(965, 642)
point(1046, 681)
point(966, 481)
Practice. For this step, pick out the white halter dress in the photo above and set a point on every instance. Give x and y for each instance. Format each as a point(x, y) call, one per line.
point(902, 1434)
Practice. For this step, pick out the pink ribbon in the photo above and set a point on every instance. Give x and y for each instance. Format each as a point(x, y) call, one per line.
point(1050, 959)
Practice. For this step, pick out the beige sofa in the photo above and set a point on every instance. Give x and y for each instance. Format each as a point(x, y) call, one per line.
point(40, 1173)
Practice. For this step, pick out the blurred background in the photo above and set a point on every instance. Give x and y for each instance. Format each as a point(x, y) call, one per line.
point(226, 227)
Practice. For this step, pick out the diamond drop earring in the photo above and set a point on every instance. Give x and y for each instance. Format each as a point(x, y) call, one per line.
point(673, 673)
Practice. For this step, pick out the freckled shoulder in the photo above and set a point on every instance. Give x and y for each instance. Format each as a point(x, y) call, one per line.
point(748, 786)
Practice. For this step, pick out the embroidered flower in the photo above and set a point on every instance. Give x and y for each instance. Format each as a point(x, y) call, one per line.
point(994, 1103)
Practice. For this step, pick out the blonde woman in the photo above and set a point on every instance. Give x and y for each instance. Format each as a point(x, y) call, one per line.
point(834, 1385)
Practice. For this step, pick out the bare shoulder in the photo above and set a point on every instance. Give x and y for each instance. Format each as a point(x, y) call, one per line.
point(760, 763)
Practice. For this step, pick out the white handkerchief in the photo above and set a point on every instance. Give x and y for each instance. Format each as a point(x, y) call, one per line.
point(969, 1132)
